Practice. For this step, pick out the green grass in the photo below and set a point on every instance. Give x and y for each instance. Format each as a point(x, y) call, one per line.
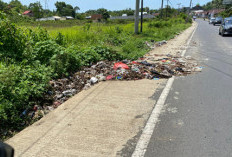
point(120, 37)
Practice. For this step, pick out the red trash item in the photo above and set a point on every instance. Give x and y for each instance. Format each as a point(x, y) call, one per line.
point(120, 65)
point(134, 62)
point(109, 77)
point(35, 108)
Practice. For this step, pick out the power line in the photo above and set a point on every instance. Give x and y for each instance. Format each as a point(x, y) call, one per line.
point(46, 5)
point(171, 3)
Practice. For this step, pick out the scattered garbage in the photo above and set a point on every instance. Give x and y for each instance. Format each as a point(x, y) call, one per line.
point(93, 80)
point(120, 65)
point(151, 66)
point(161, 66)
point(160, 43)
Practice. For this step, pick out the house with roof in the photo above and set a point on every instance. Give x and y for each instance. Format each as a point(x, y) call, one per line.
point(52, 18)
point(28, 13)
point(96, 17)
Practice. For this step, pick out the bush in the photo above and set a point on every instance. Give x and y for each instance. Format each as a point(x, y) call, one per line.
point(160, 24)
point(44, 50)
point(60, 39)
point(134, 49)
point(21, 86)
point(12, 40)
point(107, 53)
point(64, 63)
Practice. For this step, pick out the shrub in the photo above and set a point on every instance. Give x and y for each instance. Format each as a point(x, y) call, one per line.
point(12, 40)
point(37, 35)
point(44, 50)
point(107, 53)
point(64, 63)
point(21, 86)
point(89, 56)
point(60, 39)
point(134, 49)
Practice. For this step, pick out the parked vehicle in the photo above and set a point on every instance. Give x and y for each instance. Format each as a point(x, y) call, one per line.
point(218, 20)
point(226, 27)
point(211, 20)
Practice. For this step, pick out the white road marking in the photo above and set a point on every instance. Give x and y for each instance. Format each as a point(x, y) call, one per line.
point(148, 130)
point(145, 137)
point(184, 51)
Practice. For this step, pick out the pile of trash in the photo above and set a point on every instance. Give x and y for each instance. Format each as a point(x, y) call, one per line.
point(154, 44)
point(160, 67)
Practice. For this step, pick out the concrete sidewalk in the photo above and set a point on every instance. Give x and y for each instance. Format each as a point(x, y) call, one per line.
point(96, 122)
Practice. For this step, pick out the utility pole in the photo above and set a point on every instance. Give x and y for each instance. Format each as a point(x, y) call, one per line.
point(161, 13)
point(141, 29)
point(167, 10)
point(190, 6)
point(179, 7)
point(137, 17)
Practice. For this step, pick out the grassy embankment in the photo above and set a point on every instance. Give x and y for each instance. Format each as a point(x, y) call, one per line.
point(30, 58)
point(119, 37)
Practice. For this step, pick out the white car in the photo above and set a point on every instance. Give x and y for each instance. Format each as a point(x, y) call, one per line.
point(211, 20)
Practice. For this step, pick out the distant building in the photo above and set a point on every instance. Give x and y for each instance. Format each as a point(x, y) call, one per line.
point(69, 17)
point(144, 13)
point(88, 17)
point(52, 18)
point(199, 13)
point(124, 15)
point(156, 14)
point(146, 16)
point(28, 13)
point(213, 12)
point(96, 17)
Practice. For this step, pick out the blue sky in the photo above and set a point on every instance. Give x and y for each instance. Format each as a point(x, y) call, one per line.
point(112, 4)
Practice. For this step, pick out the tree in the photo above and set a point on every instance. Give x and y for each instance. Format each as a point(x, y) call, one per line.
point(104, 12)
point(76, 9)
point(60, 7)
point(69, 10)
point(3, 5)
point(37, 9)
point(91, 12)
point(215, 4)
point(80, 16)
point(17, 6)
point(147, 9)
point(64, 9)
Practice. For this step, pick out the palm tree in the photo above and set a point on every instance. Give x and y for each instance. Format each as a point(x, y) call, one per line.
point(76, 9)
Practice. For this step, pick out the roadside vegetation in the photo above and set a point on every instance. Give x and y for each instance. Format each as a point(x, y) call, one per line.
point(32, 56)
point(218, 4)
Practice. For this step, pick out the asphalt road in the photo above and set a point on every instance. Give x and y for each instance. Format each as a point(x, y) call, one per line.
point(197, 121)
